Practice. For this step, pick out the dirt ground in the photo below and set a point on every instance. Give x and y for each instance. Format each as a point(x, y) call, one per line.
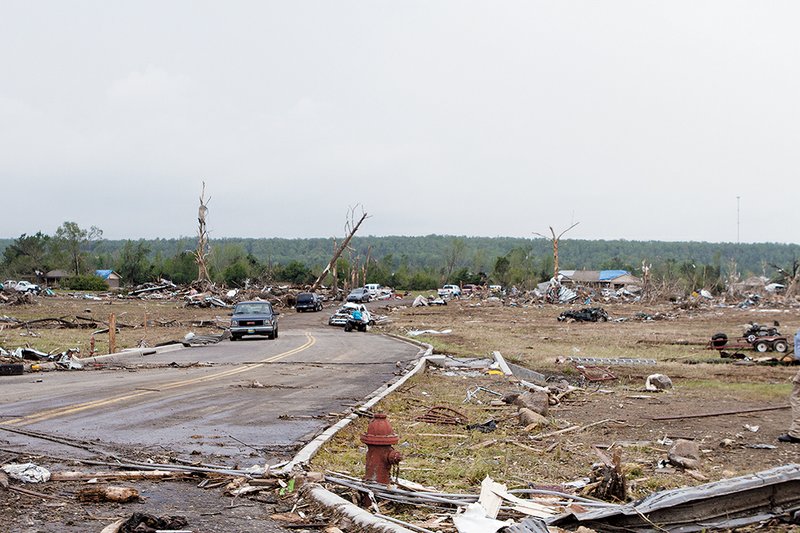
point(451, 458)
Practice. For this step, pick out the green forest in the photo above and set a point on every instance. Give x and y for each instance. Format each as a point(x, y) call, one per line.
point(421, 262)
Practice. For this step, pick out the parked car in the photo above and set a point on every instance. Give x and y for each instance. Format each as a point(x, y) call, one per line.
point(449, 291)
point(360, 294)
point(27, 286)
point(254, 318)
point(373, 288)
point(308, 301)
point(469, 288)
point(339, 318)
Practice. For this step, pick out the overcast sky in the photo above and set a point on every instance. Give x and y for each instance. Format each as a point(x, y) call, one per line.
point(640, 120)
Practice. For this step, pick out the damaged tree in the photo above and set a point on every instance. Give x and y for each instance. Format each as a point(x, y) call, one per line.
point(555, 240)
point(350, 229)
point(608, 479)
point(203, 248)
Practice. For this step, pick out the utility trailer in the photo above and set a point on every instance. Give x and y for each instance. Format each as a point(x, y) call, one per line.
point(761, 344)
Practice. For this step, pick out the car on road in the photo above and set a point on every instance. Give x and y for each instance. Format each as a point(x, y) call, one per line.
point(308, 301)
point(360, 294)
point(339, 318)
point(254, 318)
point(27, 286)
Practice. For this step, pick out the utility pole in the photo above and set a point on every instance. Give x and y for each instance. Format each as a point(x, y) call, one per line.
point(737, 220)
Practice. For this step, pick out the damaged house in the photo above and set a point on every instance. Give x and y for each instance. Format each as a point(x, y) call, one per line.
point(57, 277)
point(599, 279)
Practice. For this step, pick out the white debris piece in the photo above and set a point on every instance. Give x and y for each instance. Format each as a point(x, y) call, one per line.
point(656, 382)
point(418, 332)
point(474, 520)
point(27, 472)
point(420, 301)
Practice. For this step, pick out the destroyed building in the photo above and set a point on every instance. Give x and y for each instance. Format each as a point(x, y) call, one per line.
point(600, 279)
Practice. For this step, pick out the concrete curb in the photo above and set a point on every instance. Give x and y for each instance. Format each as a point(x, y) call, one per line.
point(363, 520)
point(308, 451)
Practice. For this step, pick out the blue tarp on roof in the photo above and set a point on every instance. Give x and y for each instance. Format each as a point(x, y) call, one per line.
point(103, 273)
point(608, 275)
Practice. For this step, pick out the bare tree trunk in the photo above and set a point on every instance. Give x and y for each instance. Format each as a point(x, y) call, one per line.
point(365, 267)
point(794, 285)
point(555, 240)
point(203, 250)
point(341, 248)
point(335, 272)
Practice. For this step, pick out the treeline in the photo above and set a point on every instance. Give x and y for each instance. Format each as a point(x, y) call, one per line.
point(420, 262)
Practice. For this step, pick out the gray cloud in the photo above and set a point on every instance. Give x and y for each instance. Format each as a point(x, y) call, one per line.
point(641, 120)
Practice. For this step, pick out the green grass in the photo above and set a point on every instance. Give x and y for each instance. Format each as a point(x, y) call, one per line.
point(743, 390)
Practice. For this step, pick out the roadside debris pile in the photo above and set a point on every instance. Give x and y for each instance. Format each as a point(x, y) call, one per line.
point(67, 359)
point(599, 500)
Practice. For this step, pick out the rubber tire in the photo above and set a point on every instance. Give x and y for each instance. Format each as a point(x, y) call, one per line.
point(235, 338)
point(780, 346)
point(751, 338)
point(718, 340)
point(348, 327)
point(275, 335)
point(761, 346)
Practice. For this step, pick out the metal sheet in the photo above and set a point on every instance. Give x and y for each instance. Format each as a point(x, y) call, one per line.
point(742, 500)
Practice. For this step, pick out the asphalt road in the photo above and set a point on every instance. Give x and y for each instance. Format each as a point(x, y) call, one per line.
point(254, 396)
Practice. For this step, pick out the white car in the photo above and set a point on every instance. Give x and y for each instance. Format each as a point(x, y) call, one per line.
point(339, 318)
point(26, 286)
point(373, 289)
point(449, 291)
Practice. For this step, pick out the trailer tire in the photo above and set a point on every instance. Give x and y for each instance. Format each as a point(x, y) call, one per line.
point(780, 346)
point(718, 340)
point(761, 346)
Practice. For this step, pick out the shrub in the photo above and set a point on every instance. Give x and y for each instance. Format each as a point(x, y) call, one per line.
point(86, 283)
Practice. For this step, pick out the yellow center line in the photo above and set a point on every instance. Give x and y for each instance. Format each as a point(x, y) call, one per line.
point(71, 409)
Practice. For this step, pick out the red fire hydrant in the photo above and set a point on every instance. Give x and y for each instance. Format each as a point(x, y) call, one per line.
point(380, 454)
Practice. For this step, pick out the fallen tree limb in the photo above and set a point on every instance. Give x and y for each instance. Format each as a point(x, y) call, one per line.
point(60, 321)
point(35, 494)
point(720, 413)
point(37, 435)
point(572, 428)
point(128, 474)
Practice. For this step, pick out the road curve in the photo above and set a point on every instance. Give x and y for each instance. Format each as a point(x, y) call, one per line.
point(230, 399)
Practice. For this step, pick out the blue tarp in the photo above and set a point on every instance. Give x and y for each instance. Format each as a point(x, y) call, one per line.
point(103, 273)
point(608, 275)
